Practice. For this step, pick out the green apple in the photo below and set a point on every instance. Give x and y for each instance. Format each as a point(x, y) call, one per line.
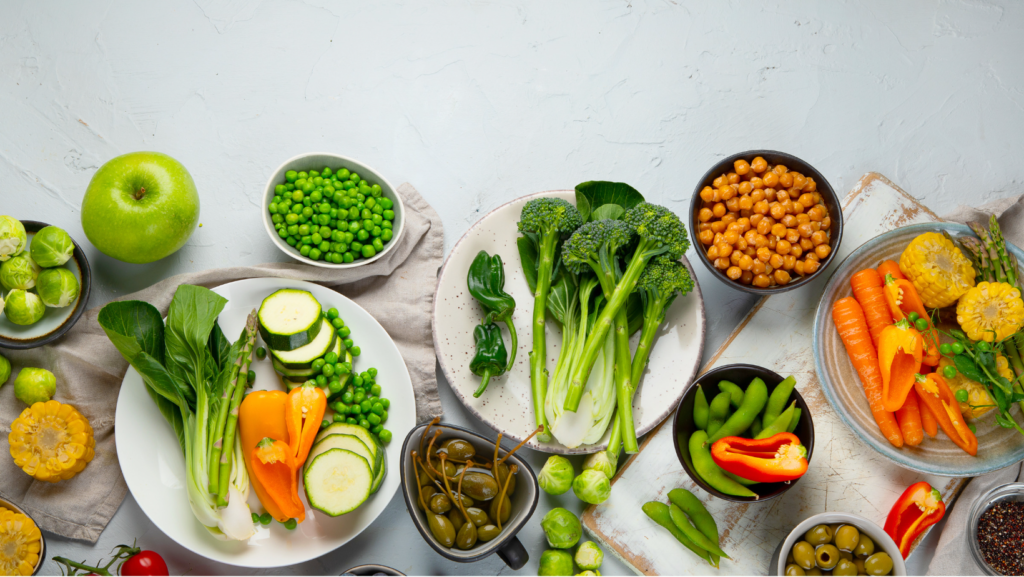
point(140, 207)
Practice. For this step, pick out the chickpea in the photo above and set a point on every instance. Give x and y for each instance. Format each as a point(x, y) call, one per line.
point(810, 266)
point(788, 262)
point(807, 199)
point(734, 257)
point(764, 226)
point(799, 180)
point(713, 253)
point(797, 207)
point(706, 236)
point(732, 178)
point(775, 261)
point(750, 251)
point(771, 242)
point(816, 226)
point(757, 182)
point(792, 235)
point(810, 185)
point(798, 268)
point(758, 268)
point(782, 196)
point(734, 273)
point(745, 213)
point(746, 263)
point(724, 249)
point(705, 214)
point(802, 218)
point(771, 179)
point(782, 277)
point(757, 195)
point(718, 182)
point(779, 229)
point(822, 250)
point(731, 236)
point(719, 238)
point(777, 211)
point(761, 241)
point(707, 194)
point(755, 219)
point(786, 180)
point(819, 237)
point(744, 221)
point(789, 221)
point(726, 192)
point(722, 263)
point(741, 166)
point(796, 250)
point(718, 226)
point(742, 243)
point(750, 236)
point(745, 203)
point(733, 204)
point(746, 277)
point(815, 214)
point(782, 247)
point(806, 244)
point(811, 256)
point(805, 230)
point(769, 194)
point(745, 187)
point(759, 164)
point(729, 219)
point(704, 226)
point(763, 254)
point(761, 207)
point(719, 210)
point(780, 169)
point(761, 281)
point(826, 222)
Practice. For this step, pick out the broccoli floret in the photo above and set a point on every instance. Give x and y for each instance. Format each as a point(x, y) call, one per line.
point(660, 230)
point(594, 245)
point(549, 216)
point(661, 282)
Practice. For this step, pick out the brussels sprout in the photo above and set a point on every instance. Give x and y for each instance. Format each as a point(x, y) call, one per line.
point(2, 303)
point(51, 247)
point(589, 556)
point(34, 385)
point(24, 308)
point(12, 237)
point(562, 528)
point(556, 476)
point(601, 461)
point(592, 487)
point(589, 573)
point(58, 287)
point(5, 370)
point(19, 273)
point(555, 562)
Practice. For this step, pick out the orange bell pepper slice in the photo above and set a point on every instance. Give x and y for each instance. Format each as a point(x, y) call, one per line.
point(303, 414)
point(900, 349)
point(261, 415)
point(275, 467)
point(903, 299)
point(933, 391)
point(918, 508)
point(775, 459)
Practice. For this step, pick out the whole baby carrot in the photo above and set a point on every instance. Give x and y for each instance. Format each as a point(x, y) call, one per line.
point(909, 418)
point(853, 330)
point(870, 294)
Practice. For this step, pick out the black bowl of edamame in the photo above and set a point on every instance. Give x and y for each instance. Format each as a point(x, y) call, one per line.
point(735, 380)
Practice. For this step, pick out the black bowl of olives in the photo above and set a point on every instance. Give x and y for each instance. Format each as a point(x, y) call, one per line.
point(837, 544)
point(467, 494)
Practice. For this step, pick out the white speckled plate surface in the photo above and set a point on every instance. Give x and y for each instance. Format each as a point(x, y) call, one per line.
point(997, 447)
point(507, 405)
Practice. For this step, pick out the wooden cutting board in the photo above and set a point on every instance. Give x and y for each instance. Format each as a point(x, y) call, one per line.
point(845, 474)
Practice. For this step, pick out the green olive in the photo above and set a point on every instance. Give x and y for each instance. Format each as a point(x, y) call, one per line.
point(794, 569)
point(859, 563)
point(789, 558)
point(441, 528)
point(487, 532)
point(501, 472)
point(506, 509)
point(440, 504)
point(818, 535)
point(834, 527)
point(803, 554)
point(865, 547)
point(467, 537)
point(845, 567)
point(826, 556)
point(479, 486)
point(813, 571)
point(846, 555)
point(847, 538)
point(478, 516)
point(455, 516)
point(459, 449)
point(878, 564)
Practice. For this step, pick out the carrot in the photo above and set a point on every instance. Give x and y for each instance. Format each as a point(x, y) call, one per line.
point(867, 289)
point(853, 330)
point(928, 420)
point(909, 418)
point(890, 267)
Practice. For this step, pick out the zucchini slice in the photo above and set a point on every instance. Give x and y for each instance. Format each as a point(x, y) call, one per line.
point(289, 319)
point(337, 481)
point(297, 373)
point(355, 430)
point(303, 357)
point(349, 443)
point(382, 472)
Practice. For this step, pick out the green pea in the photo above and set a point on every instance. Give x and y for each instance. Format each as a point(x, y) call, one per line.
point(343, 331)
point(352, 421)
point(358, 381)
point(377, 408)
point(958, 348)
point(334, 387)
point(386, 235)
point(250, 377)
point(364, 424)
point(349, 345)
point(376, 429)
point(355, 409)
point(328, 371)
point(912, 317)
point(983, 346)
point(377, 245)
point(921, 324)
point(255, 518)
point(265, 519)
point(961, 395)
point(291, 524)
point(384, 436)
point(355, 351)
point(386, 403)
point(323, 425)
point(375, 389)
point(384, 417)
point(949, 371)
point(365, 405)
point(946, 349)
point(360, 395)
point(320, 380)
point(347, 397)
point(291, 175)
point(372, 371)
point(318, 365)
point(373, 419)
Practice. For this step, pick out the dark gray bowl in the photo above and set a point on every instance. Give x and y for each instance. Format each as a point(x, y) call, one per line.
point(372, 570)
point(42, 537)
point(524, 501)
point(773, 157)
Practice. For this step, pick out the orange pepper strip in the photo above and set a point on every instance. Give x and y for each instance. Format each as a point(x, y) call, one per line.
point(303, 415)
point(274, 466)
point(262, 415)
point(900, 349)
point(903, 299)
point(936, 394)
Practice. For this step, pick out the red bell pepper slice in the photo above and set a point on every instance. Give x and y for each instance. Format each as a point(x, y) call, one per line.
point(776, 459)
point(903, 299)
point(918, 508)
point(940, 400)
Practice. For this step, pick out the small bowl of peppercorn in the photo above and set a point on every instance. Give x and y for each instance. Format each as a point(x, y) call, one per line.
point(996, 523)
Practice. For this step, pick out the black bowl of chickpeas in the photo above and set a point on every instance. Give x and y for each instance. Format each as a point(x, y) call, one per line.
point(765, 221)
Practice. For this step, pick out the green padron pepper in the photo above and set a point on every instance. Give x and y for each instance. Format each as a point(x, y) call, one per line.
point(486, 280)
point(491, 355)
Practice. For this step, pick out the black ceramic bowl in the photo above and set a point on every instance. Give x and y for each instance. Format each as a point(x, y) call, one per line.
point(524, 500)
point(372, 570)
point(42, 537)
point(55, 322)
point(791, 162)
point(740, 374)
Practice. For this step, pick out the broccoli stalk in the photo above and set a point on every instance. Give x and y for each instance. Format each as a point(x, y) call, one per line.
point(547, 220)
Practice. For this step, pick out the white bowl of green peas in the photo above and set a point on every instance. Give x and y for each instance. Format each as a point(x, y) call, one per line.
point(331, 211)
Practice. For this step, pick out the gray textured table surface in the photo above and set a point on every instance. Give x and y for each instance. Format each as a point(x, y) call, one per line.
point(478, 102)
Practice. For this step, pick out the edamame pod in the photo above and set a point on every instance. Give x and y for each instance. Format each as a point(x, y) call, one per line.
point(756, 427)
point(780, 424)
point(778, 400)
point(700, 409)
point(693, 508)
point(794, 421)
point(718, 412)
point(753, 401)
point(738, 479)
point(659, 513)
point(700, 539)
point(710, 472)
point(735, 392)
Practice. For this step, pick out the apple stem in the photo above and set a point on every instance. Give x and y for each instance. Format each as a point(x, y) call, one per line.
point(140, 193)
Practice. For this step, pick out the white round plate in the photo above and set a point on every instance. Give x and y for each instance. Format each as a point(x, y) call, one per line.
point(507, 405)
point(154, 466)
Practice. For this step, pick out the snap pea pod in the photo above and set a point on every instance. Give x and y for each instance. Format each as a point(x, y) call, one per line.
point(753, 401)
point(735, 392)
point(694, 509)
point(700, 409)
point(756, 427)
point(700, 539)
point(794, 421)
point(718, 412)
point(780, 424)
point(778, 400)
point(709, 471)
point(659, 513)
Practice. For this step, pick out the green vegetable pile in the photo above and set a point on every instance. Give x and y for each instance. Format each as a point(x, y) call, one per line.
point(32, 273)
point(333, 216)
point(593, 485)
point(690, 523)
point(563, 531)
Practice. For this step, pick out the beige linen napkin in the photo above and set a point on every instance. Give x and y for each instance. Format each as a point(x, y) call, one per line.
point(398, 290)
point(953, 555)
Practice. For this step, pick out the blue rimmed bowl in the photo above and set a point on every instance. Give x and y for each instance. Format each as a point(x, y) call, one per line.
point(997, 447)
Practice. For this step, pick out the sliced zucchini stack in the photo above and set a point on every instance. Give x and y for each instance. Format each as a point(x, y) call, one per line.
point(345, 466)
point(290, 319)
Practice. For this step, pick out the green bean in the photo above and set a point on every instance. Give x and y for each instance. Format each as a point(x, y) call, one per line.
point(718, 412)
point(710, 472)
point(701, 540)
point(778, 400)
point(794, 421)
point(659, 513)
point(703, 520)
point(700, 409)
point(735, 392)
point(780, 424)
point(753, 401)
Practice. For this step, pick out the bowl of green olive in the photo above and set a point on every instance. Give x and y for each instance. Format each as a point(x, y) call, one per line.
point(467, 495)
point(837, 544)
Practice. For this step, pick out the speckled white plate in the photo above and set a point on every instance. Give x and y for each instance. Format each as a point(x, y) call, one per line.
point(507, 405)
point(997, 447)
point(154, 466)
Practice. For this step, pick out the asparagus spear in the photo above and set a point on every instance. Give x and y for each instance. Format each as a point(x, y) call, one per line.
point(234, 393)
point(216, 433)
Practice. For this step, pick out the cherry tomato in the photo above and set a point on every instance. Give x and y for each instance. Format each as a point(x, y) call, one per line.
point(145, 563)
